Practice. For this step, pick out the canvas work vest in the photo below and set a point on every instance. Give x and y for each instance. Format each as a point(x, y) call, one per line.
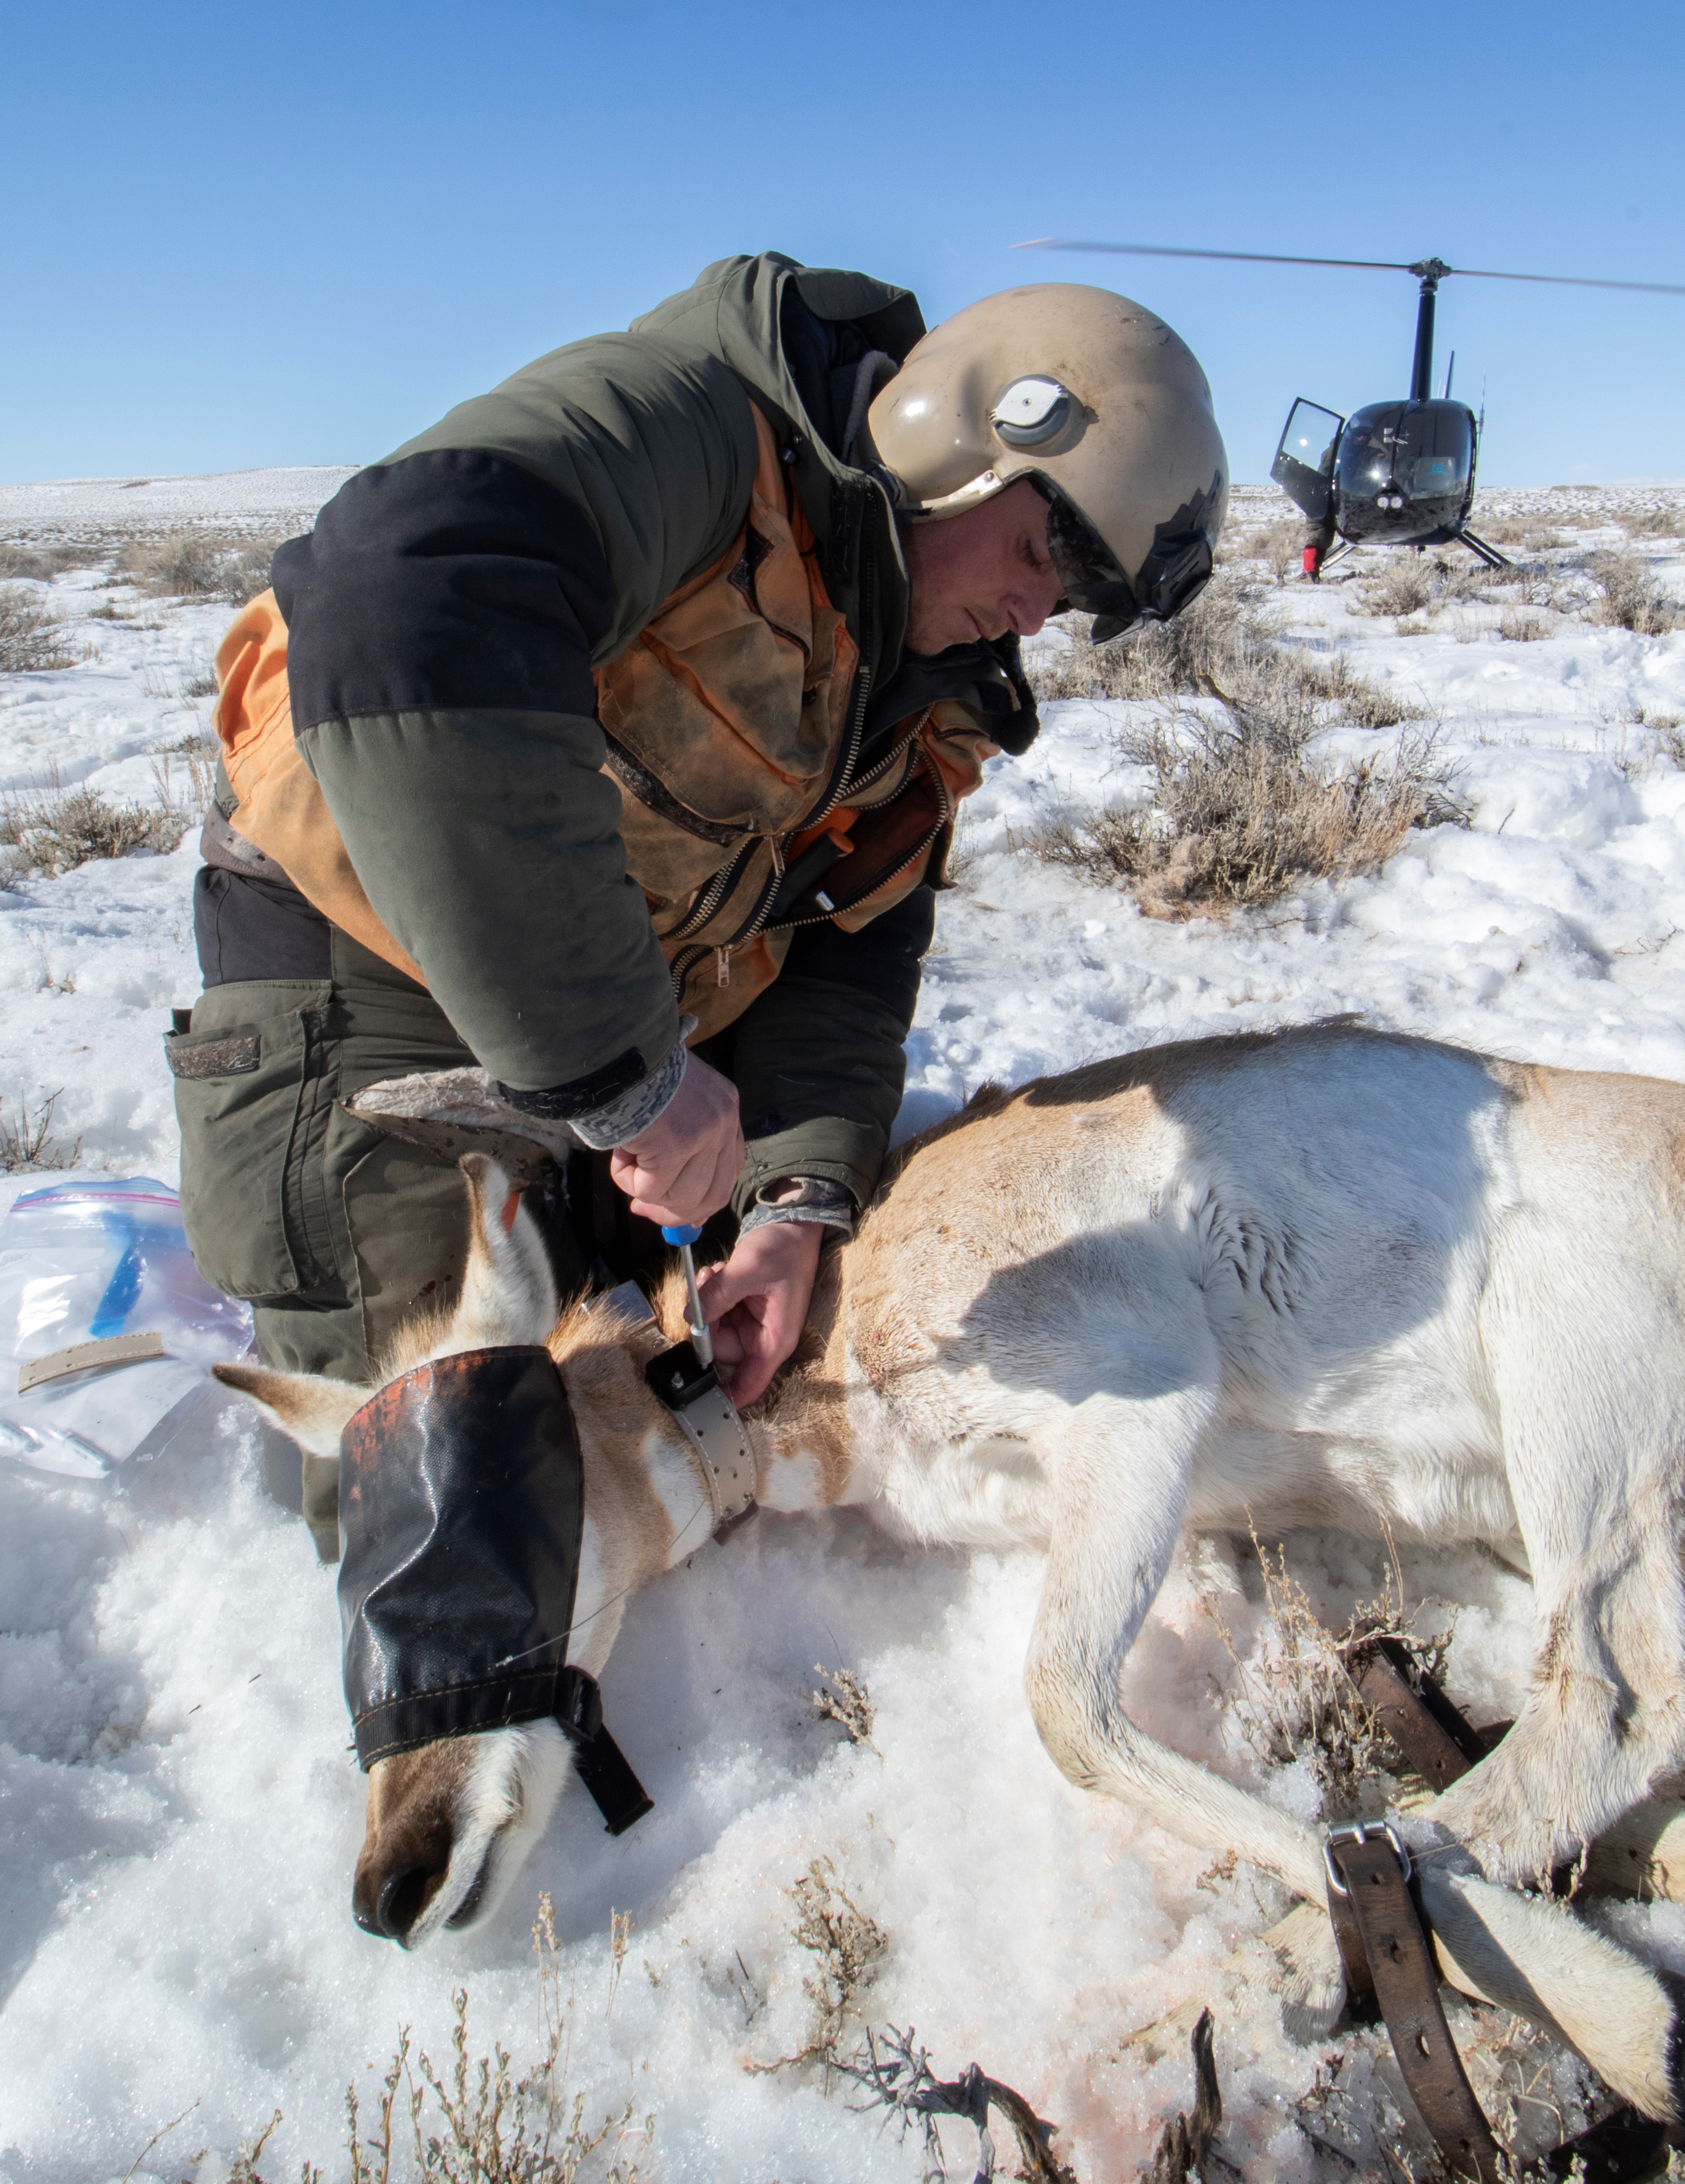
point(734, 724)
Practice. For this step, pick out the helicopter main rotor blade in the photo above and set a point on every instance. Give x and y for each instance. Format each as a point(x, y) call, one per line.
point(1251, 257)
point(1573, 281)
point(1364, 264)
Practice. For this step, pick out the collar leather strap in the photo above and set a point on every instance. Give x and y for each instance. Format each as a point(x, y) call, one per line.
point(1369, 1866)
point(682, 1383)
point(462, 1513)
point(714, 1429)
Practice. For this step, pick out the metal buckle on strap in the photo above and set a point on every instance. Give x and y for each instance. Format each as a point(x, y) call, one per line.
point(1362, 1831)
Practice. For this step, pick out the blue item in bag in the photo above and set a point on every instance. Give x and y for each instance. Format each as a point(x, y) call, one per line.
point(86, 1261)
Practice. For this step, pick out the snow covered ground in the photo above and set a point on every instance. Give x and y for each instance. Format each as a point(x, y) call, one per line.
point(180, 1811)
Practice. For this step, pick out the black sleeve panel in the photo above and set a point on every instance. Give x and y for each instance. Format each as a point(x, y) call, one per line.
point(452, 580)
point(883, 958)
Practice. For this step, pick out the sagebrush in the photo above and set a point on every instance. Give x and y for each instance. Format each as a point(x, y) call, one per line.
point(50, 829)
point(1241, 810)
point(1221, 645)
point(199, 564)
point(1296, 1699)
point(1626, 595)
point(473, 2121)
point(31, 640)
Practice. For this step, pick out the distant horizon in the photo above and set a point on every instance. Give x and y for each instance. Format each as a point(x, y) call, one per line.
point(132, 480)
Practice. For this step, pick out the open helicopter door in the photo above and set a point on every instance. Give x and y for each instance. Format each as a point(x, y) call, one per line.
point(1304, 466)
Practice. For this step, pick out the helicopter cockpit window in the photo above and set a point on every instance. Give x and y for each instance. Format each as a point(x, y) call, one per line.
point(1442, 449)
point(1366, 454)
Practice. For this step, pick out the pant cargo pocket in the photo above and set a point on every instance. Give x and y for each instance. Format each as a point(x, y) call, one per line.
point(241, 1077)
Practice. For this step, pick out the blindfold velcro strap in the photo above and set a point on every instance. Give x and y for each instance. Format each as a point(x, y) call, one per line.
point(461, 1503)
point(598, 1760)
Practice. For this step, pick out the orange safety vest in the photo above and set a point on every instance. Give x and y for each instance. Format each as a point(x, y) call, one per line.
point(728, 719)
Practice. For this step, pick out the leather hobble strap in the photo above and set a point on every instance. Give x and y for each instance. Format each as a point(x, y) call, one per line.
point(1433, 1735)
point(1369, 1894)
point(1369, 1870)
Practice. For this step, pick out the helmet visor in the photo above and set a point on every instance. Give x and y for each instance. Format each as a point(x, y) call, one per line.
point(1176, 570)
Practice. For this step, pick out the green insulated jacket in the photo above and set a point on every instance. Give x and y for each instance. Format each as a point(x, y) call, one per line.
point(443, 621)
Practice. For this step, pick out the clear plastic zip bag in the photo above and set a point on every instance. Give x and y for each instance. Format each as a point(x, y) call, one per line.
point(93, 1263)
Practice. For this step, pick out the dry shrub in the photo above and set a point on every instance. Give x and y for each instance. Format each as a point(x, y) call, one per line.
point(51, 829)
point(1279, 545)
point(27, 1142)
point(846, 1944)
point(848, 1703)
point(1526, 531)
point(1223, 643)
point(31, 641)
point(41, 564)
point(482, 2125)
point(1503, 529)
point(1353, 697)
point(894, 2071)
point(1667, 737)
point(1242, 811)
point(1212, 639)
point(1655, 523)
point(1404, 587)
point(1522, 628)
point(1627, 596)
point(201, 564)
point(1298, 1702)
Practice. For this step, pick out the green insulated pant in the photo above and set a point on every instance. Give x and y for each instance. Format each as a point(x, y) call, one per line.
point(336, 1229)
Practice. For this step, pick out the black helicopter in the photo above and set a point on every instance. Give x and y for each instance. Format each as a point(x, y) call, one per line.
point(1395, 473)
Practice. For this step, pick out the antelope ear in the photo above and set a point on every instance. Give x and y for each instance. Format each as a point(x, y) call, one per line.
point(508, 1290)
point(313, 1409)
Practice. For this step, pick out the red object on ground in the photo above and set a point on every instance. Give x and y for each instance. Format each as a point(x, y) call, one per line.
point(1313, 562)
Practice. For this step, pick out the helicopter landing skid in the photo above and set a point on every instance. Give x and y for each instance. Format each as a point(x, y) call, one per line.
point(1489, 554)
point(1346, 546)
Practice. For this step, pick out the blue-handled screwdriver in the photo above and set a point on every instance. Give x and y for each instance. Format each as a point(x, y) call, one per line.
point(700, 1340)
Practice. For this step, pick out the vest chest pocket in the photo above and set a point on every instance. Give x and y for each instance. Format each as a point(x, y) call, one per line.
point(244, 1096)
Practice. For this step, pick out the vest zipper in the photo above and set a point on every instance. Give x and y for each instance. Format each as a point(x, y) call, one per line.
point(921, 849)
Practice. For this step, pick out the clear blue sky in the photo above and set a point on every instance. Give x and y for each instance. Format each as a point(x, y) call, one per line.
point(236, 235)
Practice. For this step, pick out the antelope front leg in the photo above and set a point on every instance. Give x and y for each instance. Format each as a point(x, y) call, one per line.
point(1120, 1469)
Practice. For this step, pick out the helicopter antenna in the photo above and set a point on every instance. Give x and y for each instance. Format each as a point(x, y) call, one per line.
point(1422, 269)
point(1449, 368)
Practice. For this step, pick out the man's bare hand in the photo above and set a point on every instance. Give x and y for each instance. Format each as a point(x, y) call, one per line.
point(757, 1301)
point(683, 1166)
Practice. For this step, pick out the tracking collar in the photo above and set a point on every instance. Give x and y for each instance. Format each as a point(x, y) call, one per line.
point(684, 1385)
point(461, 1506)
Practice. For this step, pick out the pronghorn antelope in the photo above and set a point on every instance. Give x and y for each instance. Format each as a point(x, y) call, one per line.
point(1328, 1277)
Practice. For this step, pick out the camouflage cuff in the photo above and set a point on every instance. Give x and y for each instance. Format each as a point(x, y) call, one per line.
point(619, 1120)
point(801, 1198)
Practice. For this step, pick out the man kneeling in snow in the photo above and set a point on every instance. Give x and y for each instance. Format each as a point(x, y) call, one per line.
point(609, 736)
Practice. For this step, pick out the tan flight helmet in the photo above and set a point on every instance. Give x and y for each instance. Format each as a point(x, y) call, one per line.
point(1101, 407)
